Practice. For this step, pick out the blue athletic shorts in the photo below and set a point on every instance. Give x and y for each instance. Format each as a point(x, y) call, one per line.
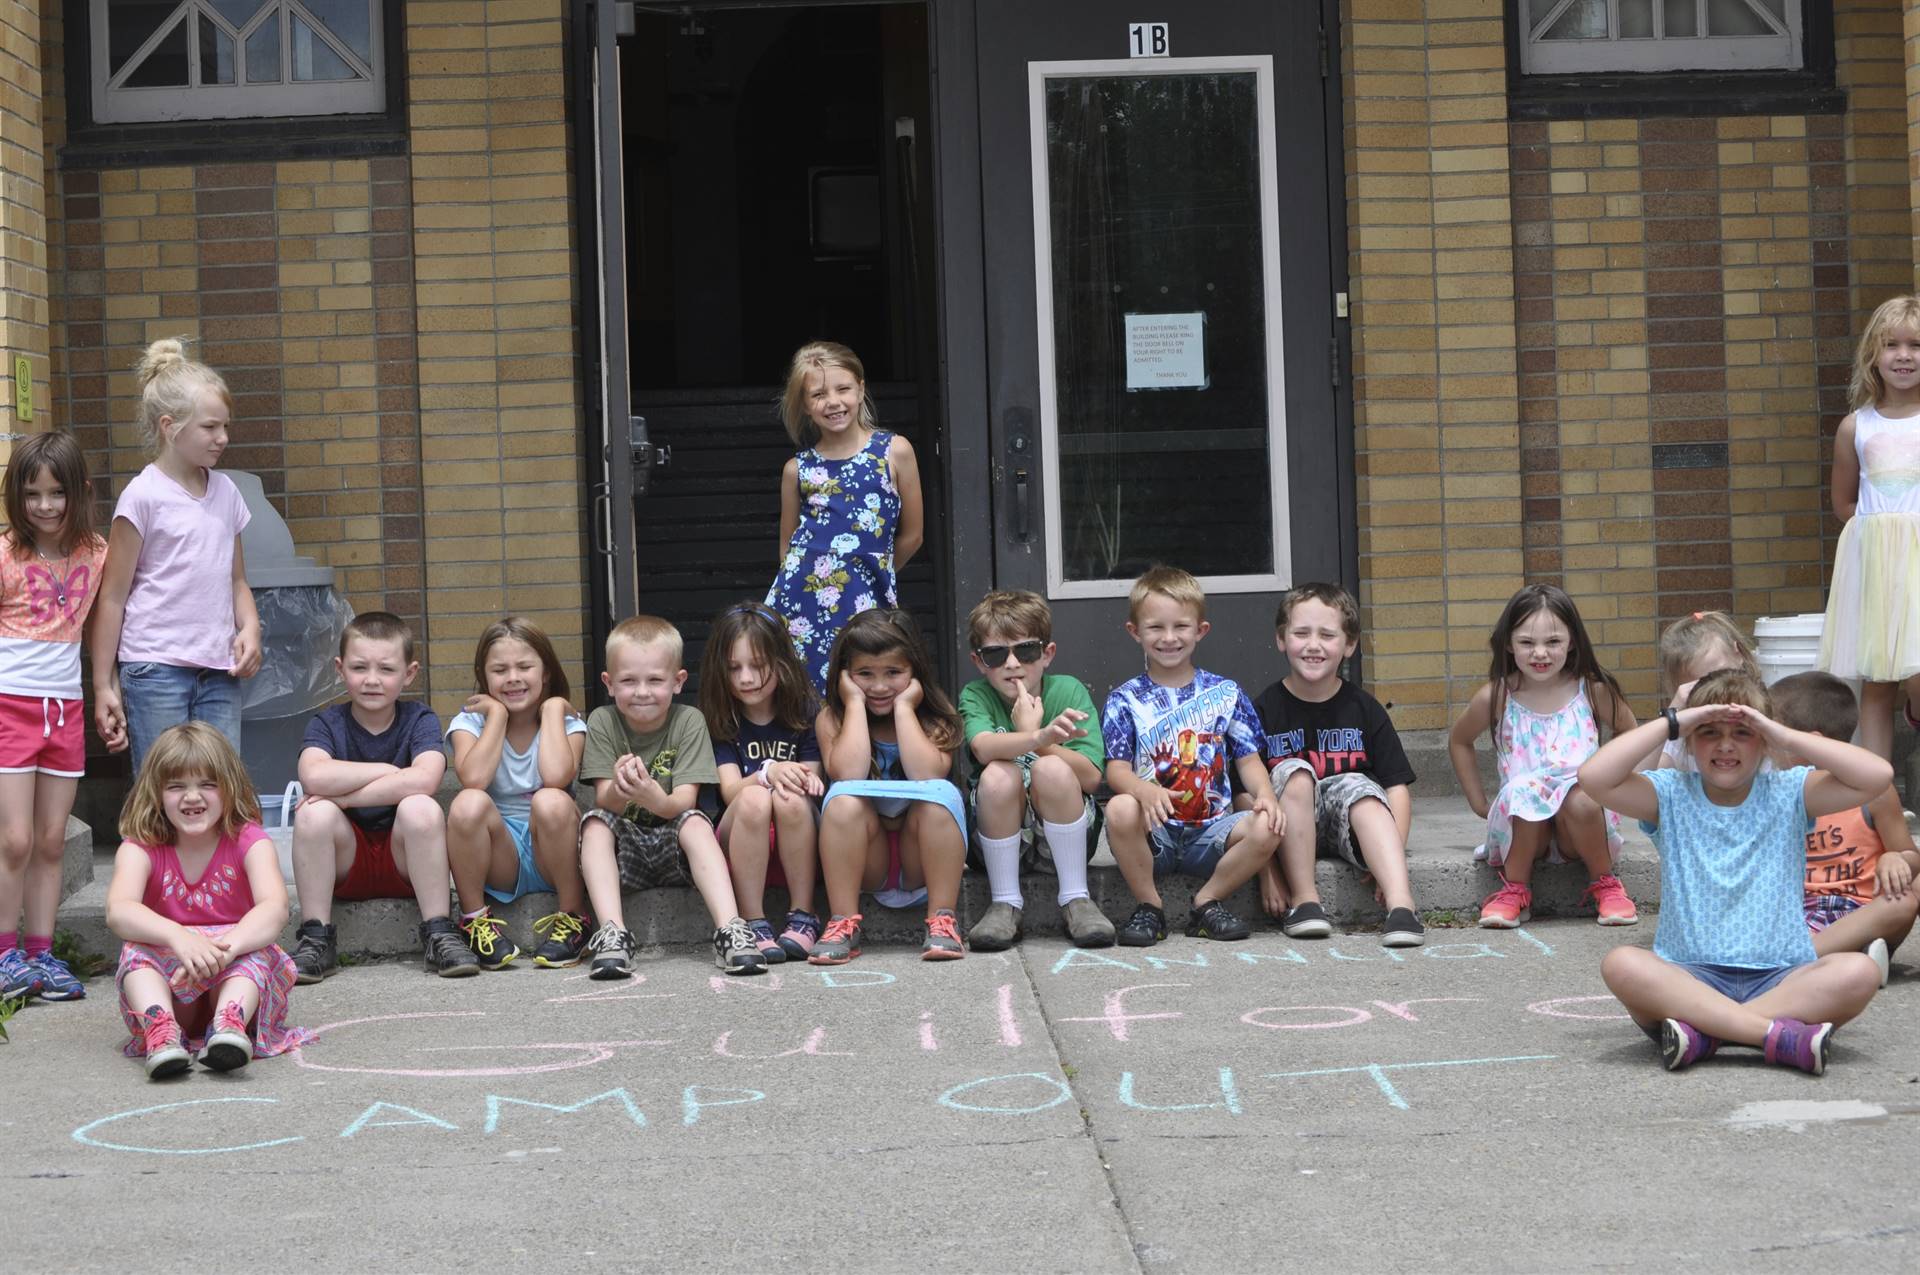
point(530, 880)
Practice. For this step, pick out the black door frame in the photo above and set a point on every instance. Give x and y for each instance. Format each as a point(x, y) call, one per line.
point(960, 307)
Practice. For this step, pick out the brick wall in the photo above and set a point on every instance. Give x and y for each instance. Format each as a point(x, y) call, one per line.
point(23, 219)
point(1685, 294)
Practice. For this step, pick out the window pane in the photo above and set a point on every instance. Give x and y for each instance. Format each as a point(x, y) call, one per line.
point(313, 59)
point(166, 66)
point(1683, 17)
point(263, 52)
point(129, 25)
point(348, 20)
point(1583, 20)
point(1636, 19)
point(1734, 17)
point(216, 53)
point(1154, 187)
point(235, 11)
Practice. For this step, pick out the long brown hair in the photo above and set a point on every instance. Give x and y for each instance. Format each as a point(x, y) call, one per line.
point(794, 702)
point(191, 748)
point(60, 455)
point(1581, 661)
point(882, 633)
point(521, 629)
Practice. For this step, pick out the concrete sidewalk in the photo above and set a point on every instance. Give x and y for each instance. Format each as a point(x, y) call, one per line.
point(1327, 1106)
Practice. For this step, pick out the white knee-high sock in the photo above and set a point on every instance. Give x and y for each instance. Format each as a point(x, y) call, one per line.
point(1003, 868)
point(1068, 841)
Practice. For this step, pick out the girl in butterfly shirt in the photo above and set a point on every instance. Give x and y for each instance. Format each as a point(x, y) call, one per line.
point(49, 566)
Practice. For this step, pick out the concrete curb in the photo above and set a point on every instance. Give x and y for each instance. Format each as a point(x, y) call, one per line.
point(1446, 880)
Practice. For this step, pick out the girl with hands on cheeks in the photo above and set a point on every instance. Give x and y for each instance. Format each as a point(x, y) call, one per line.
point(892, 823)
point(198, 899)
point(760, 708)
point(514, 827)
point(1732, 961)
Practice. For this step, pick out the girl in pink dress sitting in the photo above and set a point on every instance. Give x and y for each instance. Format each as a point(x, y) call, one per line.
point(198, 897)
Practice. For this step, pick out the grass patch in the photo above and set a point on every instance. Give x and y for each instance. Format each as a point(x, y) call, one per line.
point(7, 1010)
point(84, 964)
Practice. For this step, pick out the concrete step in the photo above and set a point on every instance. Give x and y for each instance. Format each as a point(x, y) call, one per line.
point(76, 859)
point(1448, 885)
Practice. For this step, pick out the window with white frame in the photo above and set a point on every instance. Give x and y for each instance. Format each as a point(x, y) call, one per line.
point(234, 59)
point(1586, 37)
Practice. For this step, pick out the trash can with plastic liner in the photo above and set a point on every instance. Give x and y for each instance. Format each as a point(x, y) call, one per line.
point(301, 620)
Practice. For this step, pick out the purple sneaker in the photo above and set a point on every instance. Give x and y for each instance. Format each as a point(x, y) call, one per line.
point(802, 932)
point(1792, 1043)
point(764, 939)
point(1682, 1044)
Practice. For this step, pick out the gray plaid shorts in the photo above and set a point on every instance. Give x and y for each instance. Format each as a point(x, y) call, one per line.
point(1333, 800)
point(1035, 854)
point(649, 857)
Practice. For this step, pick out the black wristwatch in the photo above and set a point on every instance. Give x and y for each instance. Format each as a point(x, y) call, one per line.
point(1673, 723)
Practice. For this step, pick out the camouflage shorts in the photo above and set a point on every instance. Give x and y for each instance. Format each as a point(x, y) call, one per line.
point(1333, 801)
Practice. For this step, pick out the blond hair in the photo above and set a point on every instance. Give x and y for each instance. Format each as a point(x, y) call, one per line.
point(192, 748)
point(646, 630)
point(1686, 637)
point(1732, 686)
point(1169, 582)
point(1867, 385)
point(170, 387)
point(1010, 613)
point(818, 356)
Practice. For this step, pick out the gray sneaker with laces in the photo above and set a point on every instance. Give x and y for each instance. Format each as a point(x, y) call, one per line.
point(735, 951)
point(447, 952)
point(612, 950)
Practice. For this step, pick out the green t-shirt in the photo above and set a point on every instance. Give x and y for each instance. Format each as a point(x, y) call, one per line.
point(679, 752)
point(982, 709)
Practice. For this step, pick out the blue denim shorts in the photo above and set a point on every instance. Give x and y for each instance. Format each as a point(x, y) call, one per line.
point(530, 881)
point(1192, 849)
point(1737, 984)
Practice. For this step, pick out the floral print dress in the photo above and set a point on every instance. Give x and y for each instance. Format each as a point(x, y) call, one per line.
point(1539, 766)
point(840, 560)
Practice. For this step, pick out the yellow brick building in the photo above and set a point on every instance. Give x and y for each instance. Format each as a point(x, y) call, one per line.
point(1483, 319)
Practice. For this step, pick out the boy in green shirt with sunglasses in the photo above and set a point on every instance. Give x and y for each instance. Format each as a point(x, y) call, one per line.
point(1035, 768)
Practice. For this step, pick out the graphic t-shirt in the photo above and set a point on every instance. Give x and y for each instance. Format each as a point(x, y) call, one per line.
point(680, 752)
point(1730, 876)
point(220, 895)
point(43, 613)
point(517, 777)
point(982, 711)
point(336, 732)
point(1843, 852)
point(1182, 738)
point(1348, 731)
point(757, 745)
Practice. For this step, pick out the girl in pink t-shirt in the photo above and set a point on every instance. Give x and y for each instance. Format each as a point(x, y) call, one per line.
point(49, 567)
point(175, 613)
point(198, 898)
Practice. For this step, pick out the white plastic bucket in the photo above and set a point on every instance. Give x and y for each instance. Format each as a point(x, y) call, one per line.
point(1787, 644)
point(276, 816)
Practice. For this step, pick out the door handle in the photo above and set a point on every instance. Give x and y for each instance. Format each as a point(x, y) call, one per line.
point(640, 453)
point(1022, 514)
point(601, 514)
point(1019, 430)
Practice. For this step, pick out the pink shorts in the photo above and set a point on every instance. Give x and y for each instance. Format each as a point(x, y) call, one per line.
point(38, 733)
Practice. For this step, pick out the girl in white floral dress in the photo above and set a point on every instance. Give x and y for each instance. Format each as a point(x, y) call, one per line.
point(850, 513)
point(1543, 703)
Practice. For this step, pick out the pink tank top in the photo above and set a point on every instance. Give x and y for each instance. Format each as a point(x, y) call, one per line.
point(221, 895)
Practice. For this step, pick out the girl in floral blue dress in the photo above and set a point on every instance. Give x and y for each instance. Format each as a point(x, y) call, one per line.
point(850, 512)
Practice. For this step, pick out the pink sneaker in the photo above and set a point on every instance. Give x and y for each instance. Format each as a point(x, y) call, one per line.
point(1611, 902)
point(165, 1049)
point(1507, 907)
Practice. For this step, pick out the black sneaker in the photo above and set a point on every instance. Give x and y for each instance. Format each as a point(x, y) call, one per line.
point(447, 953)
point(612, 949)
point(1147, 926)
point(563, 940)
point(316, 952)
point(1403, 929)
point(1306, 921)
point(1215, 920)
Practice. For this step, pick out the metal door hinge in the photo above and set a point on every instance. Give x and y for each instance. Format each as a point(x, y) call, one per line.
point(1333, 361)
point(1321, 41)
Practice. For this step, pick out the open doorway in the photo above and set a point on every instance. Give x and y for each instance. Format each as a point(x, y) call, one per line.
point(778, 189)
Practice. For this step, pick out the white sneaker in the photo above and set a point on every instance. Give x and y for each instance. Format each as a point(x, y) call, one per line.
point(735, 950)
point(1881, 957)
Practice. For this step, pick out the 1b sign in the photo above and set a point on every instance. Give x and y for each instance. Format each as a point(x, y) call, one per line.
point(1148, 40)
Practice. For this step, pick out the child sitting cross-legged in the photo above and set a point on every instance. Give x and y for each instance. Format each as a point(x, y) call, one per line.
point(1861, 861)
point(1732, 961)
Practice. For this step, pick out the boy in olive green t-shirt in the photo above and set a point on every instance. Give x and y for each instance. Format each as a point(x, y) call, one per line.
point(646, 758)
point(1035, 768)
